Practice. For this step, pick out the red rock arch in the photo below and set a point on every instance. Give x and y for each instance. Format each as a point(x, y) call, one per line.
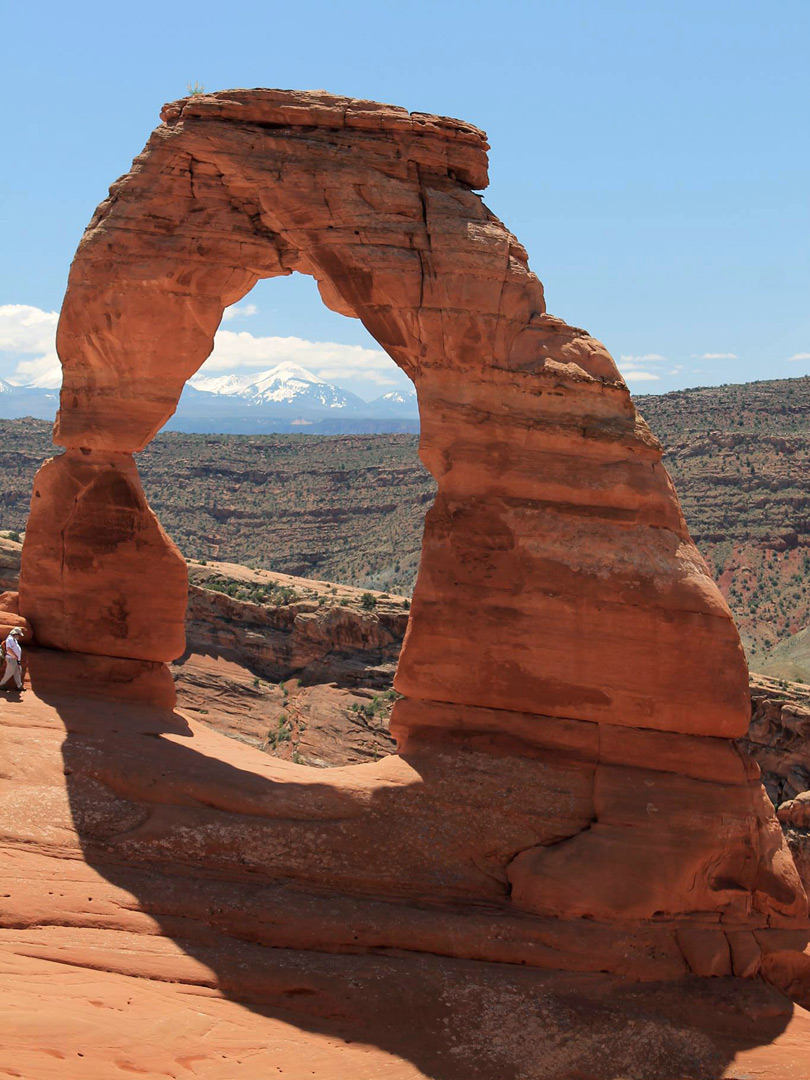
point(557, 575)
point(561, 608)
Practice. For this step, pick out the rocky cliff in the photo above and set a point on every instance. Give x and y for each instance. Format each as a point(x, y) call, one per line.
point(302, 669)
point(779, 741)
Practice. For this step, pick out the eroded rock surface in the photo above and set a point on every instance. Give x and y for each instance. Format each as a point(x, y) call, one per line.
point(566, 644)
point(779, 741)
point(102, 577)
point(298, 667)
point(144, 929)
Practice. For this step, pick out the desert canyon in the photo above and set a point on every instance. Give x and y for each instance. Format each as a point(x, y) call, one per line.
point(570, 868)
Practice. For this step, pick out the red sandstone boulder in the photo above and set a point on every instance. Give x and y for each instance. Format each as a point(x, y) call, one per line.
point(796, 811)
point(10, 617)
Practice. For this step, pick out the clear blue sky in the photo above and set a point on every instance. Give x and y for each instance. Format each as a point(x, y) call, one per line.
point(653, 157)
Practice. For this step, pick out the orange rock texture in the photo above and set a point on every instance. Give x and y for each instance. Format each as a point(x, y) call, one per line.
point(147, 927)
point(572, 678)
point(112, 582)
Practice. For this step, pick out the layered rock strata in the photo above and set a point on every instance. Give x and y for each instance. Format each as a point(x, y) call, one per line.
point(779, 741)
point(199, 961)
point(566, 643)
point(284, 627)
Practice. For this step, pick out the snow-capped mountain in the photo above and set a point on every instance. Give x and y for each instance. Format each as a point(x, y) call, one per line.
point(395, 403)
point(30, 400)
point(220, 384)
point(286, 385)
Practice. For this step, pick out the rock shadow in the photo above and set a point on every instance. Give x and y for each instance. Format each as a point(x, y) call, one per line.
point(133, 773)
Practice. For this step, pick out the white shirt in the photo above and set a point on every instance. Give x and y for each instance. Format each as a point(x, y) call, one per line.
point(13, 647)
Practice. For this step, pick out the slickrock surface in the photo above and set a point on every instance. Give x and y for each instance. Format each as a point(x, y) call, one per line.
point(328, 722)
point(566, 646)
point(140, 932)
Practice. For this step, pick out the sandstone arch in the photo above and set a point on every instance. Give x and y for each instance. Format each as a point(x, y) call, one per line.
point(561, 608)
point(527, 425)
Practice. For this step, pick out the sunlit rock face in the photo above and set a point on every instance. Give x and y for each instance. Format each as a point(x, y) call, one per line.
point(561, 616)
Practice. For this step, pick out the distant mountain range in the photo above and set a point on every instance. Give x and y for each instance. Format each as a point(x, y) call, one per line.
point(284, 399)
point(38, 401)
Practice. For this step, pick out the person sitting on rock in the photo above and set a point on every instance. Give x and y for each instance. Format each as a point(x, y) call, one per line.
point(13, 654)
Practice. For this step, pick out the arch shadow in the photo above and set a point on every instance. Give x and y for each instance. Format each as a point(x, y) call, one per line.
point(142, 780)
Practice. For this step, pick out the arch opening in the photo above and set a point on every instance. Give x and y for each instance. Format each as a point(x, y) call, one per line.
point(353, 516)
point(301, 668)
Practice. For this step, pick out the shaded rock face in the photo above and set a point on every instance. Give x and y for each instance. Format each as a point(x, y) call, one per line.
point(566, 642)
point(778, 738)
point(779, 741)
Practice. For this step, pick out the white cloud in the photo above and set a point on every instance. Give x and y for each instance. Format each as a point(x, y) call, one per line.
point(640, 376)
point(647, 358)
point(44, 371)
point(635, 368)
point(239, 311)
point(328, 359)
point(28, 351)
point(799, 356)
point(717, 356)
point(26, 330)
